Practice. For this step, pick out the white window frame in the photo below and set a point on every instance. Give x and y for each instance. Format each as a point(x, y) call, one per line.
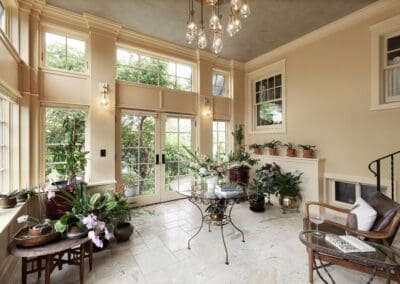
point(226, 75)
point(358, 181)
point(10, 173)
point(158, 56)
point(271, 70)
point(227, 131)
point(48, 28)
point(380, 32)
point(3, 19)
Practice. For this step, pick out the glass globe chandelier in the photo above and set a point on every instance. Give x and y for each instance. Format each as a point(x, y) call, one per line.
point(238, 9)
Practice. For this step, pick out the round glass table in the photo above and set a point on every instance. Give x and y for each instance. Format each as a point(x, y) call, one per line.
point(219, 206)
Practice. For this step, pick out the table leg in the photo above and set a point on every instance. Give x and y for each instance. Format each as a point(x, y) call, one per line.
point(201, 226)
point(223, 240)
point(23, 270)
point(90, 255)
point(310, 266)
point(82, 263)
point(233, 224)
point(49, 261)
point(39, 266)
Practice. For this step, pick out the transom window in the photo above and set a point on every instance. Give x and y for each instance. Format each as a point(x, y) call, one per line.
point(144, 69)
point(268, 101)
point(392, 69)
point(65, 53)
point(55, 139)
point(220, 138)
point(220, 84)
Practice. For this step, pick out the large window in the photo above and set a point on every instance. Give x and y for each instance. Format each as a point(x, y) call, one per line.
point(65, 53)
point(220, 84)
point(2, 17)
point(56, 137)
point(9, 145)
point(144, 69)
point(220, 138)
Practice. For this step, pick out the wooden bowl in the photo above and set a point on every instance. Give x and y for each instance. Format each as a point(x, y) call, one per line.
point(23, 239)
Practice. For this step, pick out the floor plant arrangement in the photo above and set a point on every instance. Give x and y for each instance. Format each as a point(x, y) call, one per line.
point(288, 188)
point(268, 174)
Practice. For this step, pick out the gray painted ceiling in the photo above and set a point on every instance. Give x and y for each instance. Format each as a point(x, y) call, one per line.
point(271, 24)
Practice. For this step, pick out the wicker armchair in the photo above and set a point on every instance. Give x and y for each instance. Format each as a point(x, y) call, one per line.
point(385, 226)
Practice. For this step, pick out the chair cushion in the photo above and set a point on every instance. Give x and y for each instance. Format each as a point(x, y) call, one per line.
point(366, 215)
point(386, 209)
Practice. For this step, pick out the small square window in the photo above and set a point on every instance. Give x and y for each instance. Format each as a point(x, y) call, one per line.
point(345, 192)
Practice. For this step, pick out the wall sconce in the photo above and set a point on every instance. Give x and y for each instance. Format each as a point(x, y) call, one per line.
point(207, 110)
point(103, 88)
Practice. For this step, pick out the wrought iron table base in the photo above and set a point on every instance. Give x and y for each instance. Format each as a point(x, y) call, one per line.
point(227, 219)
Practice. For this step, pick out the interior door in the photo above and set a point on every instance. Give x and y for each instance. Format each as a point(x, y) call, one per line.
point(140, 147)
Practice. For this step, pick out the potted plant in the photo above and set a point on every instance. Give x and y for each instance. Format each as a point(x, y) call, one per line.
point(268, 172)
point(257, 148)
point(119, 217)
point(8, 200)
point(240, 161)
point(290, 149)
point(257, 197)
point(26, 193)
point(308, 150)
point(216, 211)
point(288, 188)
point(273, 147)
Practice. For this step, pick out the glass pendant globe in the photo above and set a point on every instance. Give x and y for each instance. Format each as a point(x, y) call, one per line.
point(202, 39)
point(214, 20)
point(237, 24)
point(217, 42)
point(245, 11)
point(236, 4)
point(212, 2)
point(189, 37)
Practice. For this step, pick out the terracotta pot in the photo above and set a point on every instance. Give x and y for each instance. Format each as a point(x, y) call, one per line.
point(239, 174)
point(273, 151)
point(123, 231)
point(308, 153)
point(8, 202)
point(257, 204)
point(291, 152)
point(258, 151)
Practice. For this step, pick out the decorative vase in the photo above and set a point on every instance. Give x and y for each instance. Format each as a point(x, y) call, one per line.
point(123, 231)
point(273, 151)
point(257, 204)
point(290, 202)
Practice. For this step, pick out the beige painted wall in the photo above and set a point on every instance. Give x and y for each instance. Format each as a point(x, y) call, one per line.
point(328, 93)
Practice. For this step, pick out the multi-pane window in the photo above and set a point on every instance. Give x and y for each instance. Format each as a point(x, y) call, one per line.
point(2, 17)
point(56, 138)
point(220, 139)
point(268, 101)
point(65, 53)
point(144, 69)
point(9, 145)
point(392, 69)
point(219, 84)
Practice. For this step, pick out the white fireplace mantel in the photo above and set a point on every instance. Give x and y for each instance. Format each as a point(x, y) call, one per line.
point(312, 179)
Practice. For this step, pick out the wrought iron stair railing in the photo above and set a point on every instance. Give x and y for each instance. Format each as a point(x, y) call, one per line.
point(377, 170)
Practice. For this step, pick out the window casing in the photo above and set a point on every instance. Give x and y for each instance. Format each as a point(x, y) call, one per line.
point(55, 135)
point(220, 138)
point(391, 68)
point(9, 145)
point(220, 84)
point(64, 53)
point(144, 69)
point(2, 17)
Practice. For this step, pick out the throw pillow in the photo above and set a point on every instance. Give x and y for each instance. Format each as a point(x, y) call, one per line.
point(366, 215)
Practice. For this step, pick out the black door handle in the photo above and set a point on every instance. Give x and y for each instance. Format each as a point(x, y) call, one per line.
point(157, 159)
point(163, 158)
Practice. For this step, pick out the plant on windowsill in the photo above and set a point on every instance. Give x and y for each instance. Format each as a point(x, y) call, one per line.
point(308, 150)
point(290, 149)
point(26, 193)
point(240, 161)
point(273, 147)
point(8, 200)
point(257, 148)
point(288, 188)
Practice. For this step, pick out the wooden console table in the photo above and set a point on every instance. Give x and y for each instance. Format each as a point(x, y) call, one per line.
point(53, 256)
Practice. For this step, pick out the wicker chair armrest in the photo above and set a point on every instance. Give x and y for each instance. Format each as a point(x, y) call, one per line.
point(325, 205)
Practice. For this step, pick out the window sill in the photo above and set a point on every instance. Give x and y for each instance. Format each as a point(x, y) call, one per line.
point(8, 215)
point(64, 73)
point(385, 106)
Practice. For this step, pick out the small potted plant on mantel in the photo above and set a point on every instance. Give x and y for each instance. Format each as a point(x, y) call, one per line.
point(308, 150)
point(273, 147)
point(257, 148)
point(290, 149)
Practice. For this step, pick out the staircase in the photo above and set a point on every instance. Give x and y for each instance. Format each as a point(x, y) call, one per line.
point(377, 167)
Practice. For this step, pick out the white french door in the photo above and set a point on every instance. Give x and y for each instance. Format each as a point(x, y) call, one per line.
point(151, 148)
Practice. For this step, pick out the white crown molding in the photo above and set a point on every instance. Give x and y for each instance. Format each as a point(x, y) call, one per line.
point(59, 15)
point(101, 25)
point(349, 20)
point(219, 62)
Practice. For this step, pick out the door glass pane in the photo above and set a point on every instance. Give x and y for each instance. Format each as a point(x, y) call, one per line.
point(178, 134)
point(138, 134)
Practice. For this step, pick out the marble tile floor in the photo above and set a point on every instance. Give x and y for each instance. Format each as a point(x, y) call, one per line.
point(157, 252)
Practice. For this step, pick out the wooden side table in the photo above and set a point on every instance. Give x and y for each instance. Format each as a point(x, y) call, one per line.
point(53, 256)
